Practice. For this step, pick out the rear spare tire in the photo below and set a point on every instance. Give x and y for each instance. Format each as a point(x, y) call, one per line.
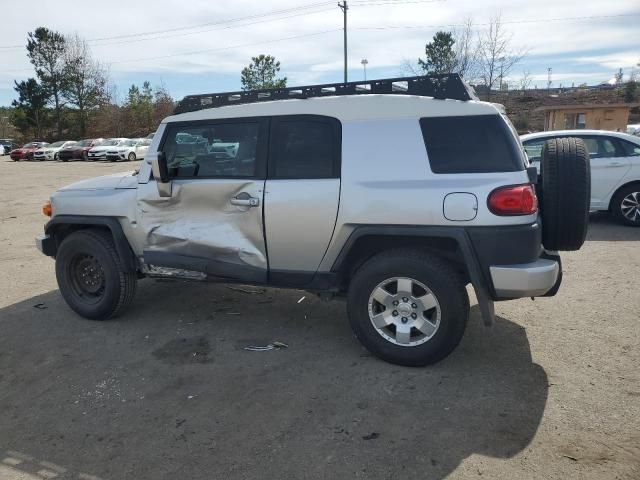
point(566, 193)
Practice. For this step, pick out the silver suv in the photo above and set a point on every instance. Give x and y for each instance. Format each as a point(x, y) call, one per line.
point(395, 194)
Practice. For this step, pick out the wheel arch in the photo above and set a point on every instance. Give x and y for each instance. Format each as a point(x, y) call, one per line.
point(617, 190)
point(451, 243)
point(60, 226)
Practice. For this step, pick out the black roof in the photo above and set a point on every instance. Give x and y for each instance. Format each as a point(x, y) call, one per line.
point(446, 86)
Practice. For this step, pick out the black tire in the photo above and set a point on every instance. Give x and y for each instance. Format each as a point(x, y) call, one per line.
point(566, 193)
point(109, 290)
point(434, 273)
point(131, 157)
point(85, 156)
point(627, 200)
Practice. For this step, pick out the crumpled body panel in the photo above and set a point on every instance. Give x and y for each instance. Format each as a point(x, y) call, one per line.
point(198, 220)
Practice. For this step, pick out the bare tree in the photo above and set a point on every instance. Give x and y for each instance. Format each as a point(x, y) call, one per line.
point(496, 57)
point(525, 81)
point(86, 86)
point(466, 51)
point(409, 68)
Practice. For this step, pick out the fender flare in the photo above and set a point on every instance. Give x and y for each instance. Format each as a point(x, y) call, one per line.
point(459, 235)
point(119, 238)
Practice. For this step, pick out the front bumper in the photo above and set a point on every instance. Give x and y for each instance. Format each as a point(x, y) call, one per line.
point(46, 245)
point(533, 279)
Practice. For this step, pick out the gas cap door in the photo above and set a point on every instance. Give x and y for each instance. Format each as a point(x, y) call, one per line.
point(460, 206)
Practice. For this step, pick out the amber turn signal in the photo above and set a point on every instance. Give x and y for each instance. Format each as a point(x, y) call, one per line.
point(46, 208)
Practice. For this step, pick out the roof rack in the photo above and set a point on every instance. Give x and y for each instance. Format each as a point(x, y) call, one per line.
point(446, 86)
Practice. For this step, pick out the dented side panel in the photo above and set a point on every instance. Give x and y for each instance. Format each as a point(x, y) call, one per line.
point(199, 221)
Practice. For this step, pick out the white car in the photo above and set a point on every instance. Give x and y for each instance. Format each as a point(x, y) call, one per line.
point(50, 152)
point(634, 129)
point(615, 169)
point(99, 152)
point(130, 150)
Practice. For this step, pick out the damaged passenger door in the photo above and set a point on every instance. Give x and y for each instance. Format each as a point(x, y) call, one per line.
point(207, 216)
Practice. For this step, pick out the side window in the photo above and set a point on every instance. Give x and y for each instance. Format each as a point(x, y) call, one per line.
point(471, 144)
point(600, 147)
point(534, 149)
point(304, 148)
point(630, 149)
point(225, 150)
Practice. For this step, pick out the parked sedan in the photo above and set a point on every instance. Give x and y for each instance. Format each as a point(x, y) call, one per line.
point(99, 152)
point(26, 151)
point(615, 169)
point(50, 152)
point(130, 150)
point(79, 151)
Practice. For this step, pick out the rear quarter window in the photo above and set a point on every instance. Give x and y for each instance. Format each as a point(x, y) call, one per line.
point(471, 144)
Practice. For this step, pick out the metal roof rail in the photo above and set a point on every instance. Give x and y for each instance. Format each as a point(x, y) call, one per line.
point(441, 87)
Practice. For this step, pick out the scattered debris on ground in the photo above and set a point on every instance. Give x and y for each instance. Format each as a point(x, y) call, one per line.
point(266, 348)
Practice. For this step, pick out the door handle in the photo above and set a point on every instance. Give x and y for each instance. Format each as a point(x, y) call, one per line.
point(615, 164)
point(245, 201)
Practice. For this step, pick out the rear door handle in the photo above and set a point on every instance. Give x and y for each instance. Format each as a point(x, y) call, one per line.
point(615, 164)
point(245, 201)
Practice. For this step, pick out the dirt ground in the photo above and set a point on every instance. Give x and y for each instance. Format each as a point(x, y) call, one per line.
point(168, 392)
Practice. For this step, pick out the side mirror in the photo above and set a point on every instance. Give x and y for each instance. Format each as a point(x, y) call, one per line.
point(163, 169)
point(160, 171)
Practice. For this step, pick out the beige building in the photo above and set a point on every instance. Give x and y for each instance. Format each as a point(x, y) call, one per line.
point(612, 116)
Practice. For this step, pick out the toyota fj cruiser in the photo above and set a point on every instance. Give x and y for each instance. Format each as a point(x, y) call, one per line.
point(394, 193)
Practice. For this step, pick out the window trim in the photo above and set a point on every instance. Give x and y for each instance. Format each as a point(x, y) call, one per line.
point(261, 147)
point(333, 122)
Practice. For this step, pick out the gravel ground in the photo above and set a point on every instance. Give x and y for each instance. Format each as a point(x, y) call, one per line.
point(167, 391)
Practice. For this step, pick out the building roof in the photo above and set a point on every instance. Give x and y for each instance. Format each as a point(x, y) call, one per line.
point(588, 106)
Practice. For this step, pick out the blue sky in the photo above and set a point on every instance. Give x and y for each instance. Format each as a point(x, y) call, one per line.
point(197, 48)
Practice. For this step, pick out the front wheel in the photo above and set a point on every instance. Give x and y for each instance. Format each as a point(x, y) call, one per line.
point(408, 307)
point(625, 205)
point(91, 275)
point(131, 157)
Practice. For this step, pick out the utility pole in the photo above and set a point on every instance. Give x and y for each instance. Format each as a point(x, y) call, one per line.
point(549, 70)
point(343, 6)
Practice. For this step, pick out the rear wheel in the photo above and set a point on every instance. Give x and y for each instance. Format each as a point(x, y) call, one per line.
point(408, 307)
point(625, 205)
point(91, 275)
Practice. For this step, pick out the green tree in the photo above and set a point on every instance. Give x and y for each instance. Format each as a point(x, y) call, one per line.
point(30, 108)
point(140, 105)
point(45, 49)
point(439, 54)
point(630, 90)
point(262, 73)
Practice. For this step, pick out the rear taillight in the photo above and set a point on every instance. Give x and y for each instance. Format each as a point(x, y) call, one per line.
point(513, 200)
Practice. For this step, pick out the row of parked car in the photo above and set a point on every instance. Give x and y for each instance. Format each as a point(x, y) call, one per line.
point(112, 149)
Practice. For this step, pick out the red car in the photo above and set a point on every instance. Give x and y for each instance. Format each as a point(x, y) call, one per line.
point(79, 150)
point(26, 151)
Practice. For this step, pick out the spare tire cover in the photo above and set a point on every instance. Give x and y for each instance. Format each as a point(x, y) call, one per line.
point(566, 193)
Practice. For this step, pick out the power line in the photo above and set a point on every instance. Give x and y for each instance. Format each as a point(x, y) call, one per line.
point(453, 25)
point(221, 22)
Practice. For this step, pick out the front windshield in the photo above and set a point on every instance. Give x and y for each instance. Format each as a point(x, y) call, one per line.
point(57, 144)
point(129, 143)
point(84, 143)
point(30, 145)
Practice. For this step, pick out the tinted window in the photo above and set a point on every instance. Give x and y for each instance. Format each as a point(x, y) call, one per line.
point(630, 149)
point(600, 147)
point(304, 148)
point(214, 150)
point(534, 149)
point(471, 144)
